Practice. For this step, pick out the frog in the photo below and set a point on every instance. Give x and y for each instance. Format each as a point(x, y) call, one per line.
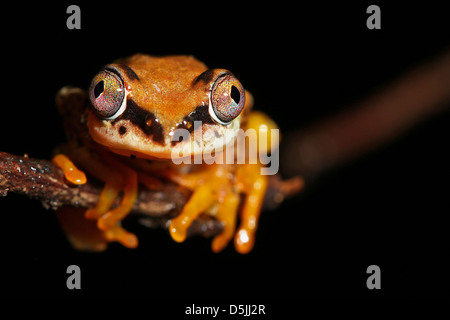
point(129, 115)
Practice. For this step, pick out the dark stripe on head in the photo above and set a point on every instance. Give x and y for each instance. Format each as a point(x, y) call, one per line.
point(206, 76)
point(123, 69)
point(200, 113)
point(130, 73)
point(144, 120)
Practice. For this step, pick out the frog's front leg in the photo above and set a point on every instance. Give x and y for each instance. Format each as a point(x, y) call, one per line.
point(217, 193)
point(122, 178)
point(213, 194)
point(70, 171)
point(117, 177)
point(227, 213)
point(217, 190)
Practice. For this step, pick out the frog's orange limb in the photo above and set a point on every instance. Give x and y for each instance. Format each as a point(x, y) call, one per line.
point(107, 197)
point(117, 233)
point(130, 191)
point(253, 184)
point(200, 201)
point(109, 220)
point(118, 177)
point(245, 236)
point(71, 172)
point(227, 214)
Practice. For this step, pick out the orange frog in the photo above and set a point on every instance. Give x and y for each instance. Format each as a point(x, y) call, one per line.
point(134, 108)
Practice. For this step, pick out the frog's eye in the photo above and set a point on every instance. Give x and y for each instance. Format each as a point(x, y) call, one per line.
point(107, 93)
point(227, 99)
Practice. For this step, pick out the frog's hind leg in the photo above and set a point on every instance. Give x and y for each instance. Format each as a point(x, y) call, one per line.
point(82, 234)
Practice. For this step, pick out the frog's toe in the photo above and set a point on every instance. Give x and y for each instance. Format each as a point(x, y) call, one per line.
point(71, 172)
point(245, 236)
point(106, 199)
point(227, 215)
point(254, 186)
point(130, 192)
point(201, 200)
point(119, 234)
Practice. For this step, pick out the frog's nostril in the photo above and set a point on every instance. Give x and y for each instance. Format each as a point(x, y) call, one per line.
point(99, 88)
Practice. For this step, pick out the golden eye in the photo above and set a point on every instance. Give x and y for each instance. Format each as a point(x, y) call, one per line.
point(227, 98)
point(107, 95)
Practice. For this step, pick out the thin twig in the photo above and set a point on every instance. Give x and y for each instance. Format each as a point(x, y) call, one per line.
point(417, 95)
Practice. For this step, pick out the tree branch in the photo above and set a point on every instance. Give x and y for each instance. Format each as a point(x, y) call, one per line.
point(41, 179)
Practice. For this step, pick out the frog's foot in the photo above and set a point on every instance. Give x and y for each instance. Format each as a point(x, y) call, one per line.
point(212, 194)
point(71, 172)
point(217, 196)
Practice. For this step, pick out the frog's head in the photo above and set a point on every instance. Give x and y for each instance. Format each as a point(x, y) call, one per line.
point(138, 103)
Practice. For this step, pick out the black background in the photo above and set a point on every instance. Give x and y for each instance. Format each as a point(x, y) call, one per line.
point(302, 62)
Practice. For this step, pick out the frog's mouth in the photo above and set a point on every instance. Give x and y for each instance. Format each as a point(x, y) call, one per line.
point(205, 139)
